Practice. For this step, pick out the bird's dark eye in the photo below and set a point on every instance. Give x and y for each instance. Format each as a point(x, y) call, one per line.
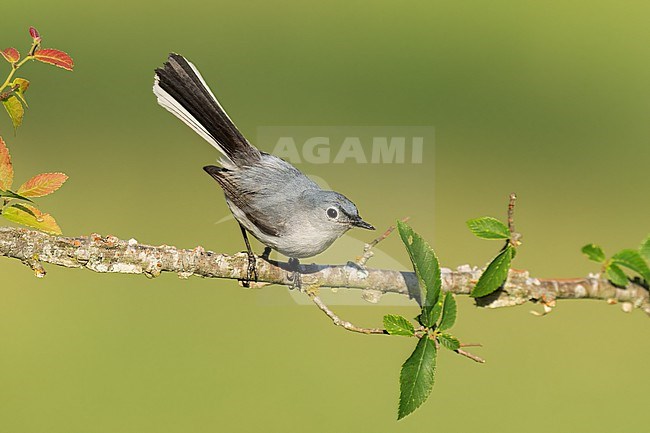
point(332, 213)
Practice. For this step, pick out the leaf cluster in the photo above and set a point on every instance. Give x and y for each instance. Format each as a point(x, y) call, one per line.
point(496, 272)
point(12, 91)
point(437, 315)
point(17, 205)
point(636, 260)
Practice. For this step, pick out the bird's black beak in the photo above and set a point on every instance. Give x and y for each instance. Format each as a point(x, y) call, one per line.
point(358, 222)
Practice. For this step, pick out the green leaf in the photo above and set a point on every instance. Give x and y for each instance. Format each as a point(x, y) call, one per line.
point(21, 85)
point(436, 311)
point(448, 312)
point(25, 209)
point(15, 110)
point(417, 376)
point(449, 341)
point(616, 275)
point(594, 252)
point(632, 259)
point(398, 325)
point(494, 275)
point(12, 194)
point(644, 249)
point(425, 264)
point(488, 228)
point(30, 216)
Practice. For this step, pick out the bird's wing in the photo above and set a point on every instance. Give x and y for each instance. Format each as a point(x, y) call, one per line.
point(268, 193)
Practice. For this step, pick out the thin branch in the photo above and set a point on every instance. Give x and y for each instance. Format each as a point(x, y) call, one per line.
point(367, 249)
point(340, 322)
point(470, 356)
point(9, 93)
point(511, 213)
point(108, 254)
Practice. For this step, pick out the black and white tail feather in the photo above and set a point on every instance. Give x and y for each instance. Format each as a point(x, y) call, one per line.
point(180, 89)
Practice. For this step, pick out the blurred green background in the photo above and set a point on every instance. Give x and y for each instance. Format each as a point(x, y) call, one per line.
point(548, 99)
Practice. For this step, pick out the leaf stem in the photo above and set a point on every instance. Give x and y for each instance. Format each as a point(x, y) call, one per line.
point(16, 66)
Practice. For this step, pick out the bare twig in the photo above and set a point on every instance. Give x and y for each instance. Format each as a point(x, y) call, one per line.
point(511, 213)
point(470, 356)
point(367, 249)
point(515, 238)
point(471, 345)
point(9, 93)
point(36, 266)
point(340, 322)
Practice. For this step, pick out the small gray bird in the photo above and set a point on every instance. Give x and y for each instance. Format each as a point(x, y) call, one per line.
point(269, 197)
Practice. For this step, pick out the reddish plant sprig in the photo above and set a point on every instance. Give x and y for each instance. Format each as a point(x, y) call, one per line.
point(12, 90)
point(17, 205)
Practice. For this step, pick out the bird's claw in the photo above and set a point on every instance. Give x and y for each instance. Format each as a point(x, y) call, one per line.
point(296, 276)
point(251, 271)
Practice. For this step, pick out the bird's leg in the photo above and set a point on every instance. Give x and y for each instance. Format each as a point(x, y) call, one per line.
point(251, 273)
point(296, 280)
point(266, 255)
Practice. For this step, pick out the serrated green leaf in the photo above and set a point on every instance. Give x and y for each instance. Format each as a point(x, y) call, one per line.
point(398, 325)
point(449, 312)
point(488, 228)
point(494, 275)
point(594, 252)
point(425, 264)
point(417, 377)
point(616, 275)
point(449, 341)
point(15, 110)
point(31, 217)
point(632, 259)
point(11, 194)
point(644, 249)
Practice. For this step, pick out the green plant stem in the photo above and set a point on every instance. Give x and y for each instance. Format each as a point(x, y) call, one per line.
point(16, 66)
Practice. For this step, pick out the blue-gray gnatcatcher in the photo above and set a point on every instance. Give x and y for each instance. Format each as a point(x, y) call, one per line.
point(269, 197)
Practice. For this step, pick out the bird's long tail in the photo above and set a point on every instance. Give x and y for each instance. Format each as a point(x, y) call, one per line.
point(179, 87)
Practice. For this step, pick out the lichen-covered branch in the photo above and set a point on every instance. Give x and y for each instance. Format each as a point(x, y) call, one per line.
point(108, 254)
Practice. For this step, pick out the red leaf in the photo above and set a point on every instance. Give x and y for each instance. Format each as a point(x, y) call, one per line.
point(54, 57)
point(42, 184)
point(34, 34)
point(6, 169)
point(10, 54)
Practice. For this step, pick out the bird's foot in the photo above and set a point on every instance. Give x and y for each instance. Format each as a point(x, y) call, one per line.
point(296, 276)
point(251, 271)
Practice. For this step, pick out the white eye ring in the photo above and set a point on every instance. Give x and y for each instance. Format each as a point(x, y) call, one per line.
point(332, 213)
